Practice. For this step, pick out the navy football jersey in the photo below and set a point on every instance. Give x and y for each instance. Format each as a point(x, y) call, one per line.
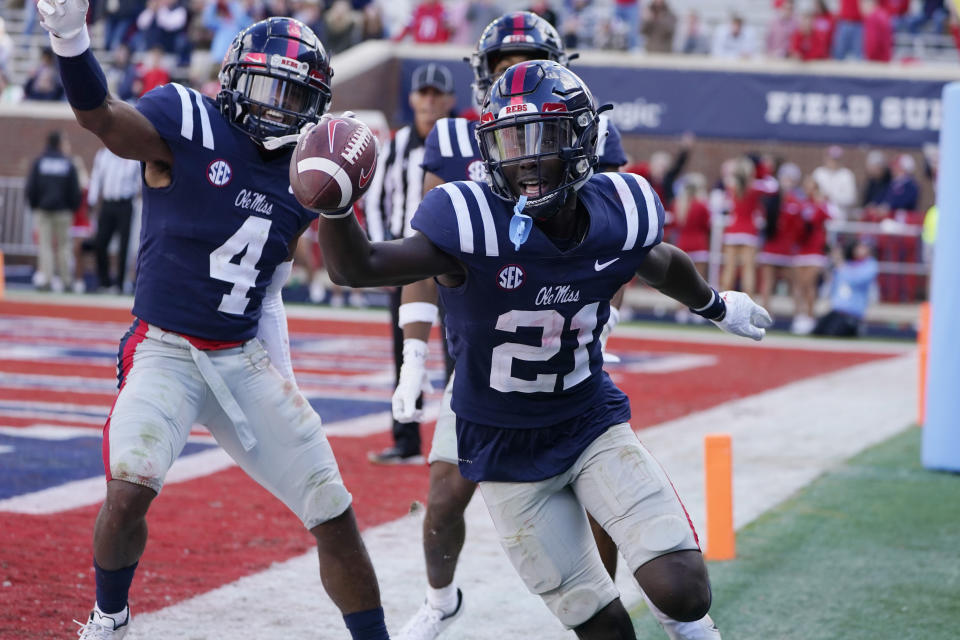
point(524, 327)
point(210, 241)
point(451, 152)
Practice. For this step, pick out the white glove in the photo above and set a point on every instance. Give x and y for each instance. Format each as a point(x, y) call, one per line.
point(413, 381)
point(63, 18)
point(744, 317)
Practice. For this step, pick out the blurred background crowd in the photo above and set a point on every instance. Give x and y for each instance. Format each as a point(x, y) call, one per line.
point(151, 41)
point(834, 239)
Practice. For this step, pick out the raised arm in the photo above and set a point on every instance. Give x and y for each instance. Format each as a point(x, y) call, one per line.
point(122, 128)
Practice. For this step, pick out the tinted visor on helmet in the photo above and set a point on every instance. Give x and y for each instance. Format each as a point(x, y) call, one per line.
point(278, 100)
point(516, 142)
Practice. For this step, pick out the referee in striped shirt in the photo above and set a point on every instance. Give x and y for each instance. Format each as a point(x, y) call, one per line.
point(114, 183)
point(389, 205)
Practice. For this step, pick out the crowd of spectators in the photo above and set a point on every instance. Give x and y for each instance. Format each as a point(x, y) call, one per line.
point(192, 35)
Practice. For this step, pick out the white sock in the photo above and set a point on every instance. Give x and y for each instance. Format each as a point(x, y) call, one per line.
point(444, 598)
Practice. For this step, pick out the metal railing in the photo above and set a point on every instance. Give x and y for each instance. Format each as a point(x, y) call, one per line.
point(16, 220)
point(898, 247)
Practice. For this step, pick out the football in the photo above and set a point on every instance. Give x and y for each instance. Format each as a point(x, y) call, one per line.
point(333, 163)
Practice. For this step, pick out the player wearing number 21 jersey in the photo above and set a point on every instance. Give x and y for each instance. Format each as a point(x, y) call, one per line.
point(219, 223)
point(526, 267)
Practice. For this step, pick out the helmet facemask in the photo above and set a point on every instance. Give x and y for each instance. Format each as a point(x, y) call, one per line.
point(274, 80)
point(544, 157)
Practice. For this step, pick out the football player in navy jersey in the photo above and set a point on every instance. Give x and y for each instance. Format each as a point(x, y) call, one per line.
point(451, 154)
point(219, 225)
point(526, 267)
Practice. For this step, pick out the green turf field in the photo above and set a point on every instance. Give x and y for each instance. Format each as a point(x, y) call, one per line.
point(869, 551)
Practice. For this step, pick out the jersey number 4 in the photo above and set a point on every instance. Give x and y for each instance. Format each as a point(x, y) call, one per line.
point(553, 324)
point(249, 240)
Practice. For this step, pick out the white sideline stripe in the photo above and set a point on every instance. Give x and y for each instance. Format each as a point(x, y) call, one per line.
point(670, 364)
point(629, 209)
point(486, 216)
point(288, 596)
point(81, 493)
point(463, 138)
point(443, 137)
point(464, 225)
point(204, 120)
point(186, 112)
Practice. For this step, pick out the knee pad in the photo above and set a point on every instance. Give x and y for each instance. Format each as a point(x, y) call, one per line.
point(661, 533)
point(324, 500)
point(576, 606)
point(537, 570)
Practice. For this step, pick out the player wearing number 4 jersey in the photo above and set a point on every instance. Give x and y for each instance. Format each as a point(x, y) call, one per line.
point(219, 223)
point(527, 266)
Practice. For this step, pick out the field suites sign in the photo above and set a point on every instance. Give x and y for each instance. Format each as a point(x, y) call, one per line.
point(879, 111)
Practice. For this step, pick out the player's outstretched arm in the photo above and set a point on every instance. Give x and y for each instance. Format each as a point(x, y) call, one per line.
point(672, 272)
point(353, 261)
point(122, 128)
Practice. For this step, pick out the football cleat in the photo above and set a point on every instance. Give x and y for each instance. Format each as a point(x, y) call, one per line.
point(104, 626)
point(392, 455)
point(702, 629)
point(428, 622)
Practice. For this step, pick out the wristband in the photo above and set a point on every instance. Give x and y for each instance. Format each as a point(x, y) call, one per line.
point(713, 310)
point(73, 46)
point(416, 312)
point(336, 215)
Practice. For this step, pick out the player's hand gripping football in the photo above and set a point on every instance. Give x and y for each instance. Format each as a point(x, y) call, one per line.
point(413, 381)
point(744, 317)
point(63, 18)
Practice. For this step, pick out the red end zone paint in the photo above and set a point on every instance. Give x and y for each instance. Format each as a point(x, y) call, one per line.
point(210, 531)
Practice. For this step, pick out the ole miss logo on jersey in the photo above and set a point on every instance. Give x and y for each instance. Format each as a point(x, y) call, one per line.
point(511, 277)
point(219, 173)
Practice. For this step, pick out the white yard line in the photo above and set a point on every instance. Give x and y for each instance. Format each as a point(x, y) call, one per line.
point(782, 439)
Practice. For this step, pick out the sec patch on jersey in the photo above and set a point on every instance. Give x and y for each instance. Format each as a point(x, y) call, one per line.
point(333, 163)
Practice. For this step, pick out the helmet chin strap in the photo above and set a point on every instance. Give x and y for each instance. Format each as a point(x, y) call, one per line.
point(273, 143)
point(276, 142)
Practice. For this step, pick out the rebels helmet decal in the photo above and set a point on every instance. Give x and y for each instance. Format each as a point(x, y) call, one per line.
point(275, 78)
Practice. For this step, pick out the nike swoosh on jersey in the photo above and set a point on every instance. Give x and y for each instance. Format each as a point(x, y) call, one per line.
point(600, 266)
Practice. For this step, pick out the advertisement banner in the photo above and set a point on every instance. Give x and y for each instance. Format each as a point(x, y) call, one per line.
point(760, 106)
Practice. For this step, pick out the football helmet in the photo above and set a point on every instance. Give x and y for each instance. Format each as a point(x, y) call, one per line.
point(516, 32)
point(538, 135)
point(275, 78)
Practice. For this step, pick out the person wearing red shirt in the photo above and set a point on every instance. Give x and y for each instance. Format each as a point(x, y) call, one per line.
point(781, 232)
point(823, 26)
point(811, 259)
point(745, 195)
point(877, 32)
point(848, 39)
point(154, 72)
point(692, 220)
point(428, 24)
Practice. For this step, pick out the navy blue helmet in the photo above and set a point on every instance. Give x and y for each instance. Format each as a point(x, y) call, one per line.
point(275, 78)
point(538, 127)
point(517, 32)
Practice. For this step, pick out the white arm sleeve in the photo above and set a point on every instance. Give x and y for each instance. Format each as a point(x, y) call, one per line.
point(272, 330)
